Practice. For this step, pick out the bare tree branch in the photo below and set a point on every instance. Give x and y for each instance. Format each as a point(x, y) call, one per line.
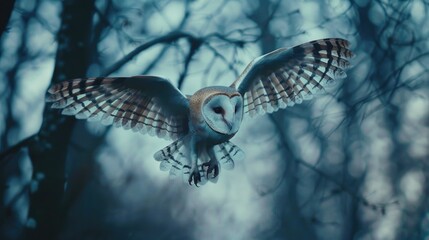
point(168, 38)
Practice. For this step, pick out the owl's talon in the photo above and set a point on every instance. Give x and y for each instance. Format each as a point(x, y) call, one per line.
point(195, 176)
point(212, 165)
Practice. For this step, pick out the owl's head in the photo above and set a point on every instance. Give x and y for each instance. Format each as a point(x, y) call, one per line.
point(221, 109)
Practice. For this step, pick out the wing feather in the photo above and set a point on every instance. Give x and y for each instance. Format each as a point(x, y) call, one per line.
point(287, 76)
point(146, 104)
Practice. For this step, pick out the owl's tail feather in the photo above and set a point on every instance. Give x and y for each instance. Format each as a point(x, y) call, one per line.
point(173, 157)
point(222, 157)
point(226, 153)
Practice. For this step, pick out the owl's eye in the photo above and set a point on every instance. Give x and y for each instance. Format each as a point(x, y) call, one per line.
point(236, 109)
point(218, 110)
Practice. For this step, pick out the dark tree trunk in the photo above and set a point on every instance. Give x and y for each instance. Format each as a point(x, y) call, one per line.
point(6, 7)
point(294, 225)
point(48, 154)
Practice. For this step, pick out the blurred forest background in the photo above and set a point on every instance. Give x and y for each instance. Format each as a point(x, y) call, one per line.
point(351, 164)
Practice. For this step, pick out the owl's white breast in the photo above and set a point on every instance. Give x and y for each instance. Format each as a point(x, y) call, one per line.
point(204, 133)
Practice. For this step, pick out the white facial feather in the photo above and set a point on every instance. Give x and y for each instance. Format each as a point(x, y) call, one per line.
point(223, 114)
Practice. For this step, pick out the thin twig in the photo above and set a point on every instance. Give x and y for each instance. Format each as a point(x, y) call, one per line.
point(168, 38)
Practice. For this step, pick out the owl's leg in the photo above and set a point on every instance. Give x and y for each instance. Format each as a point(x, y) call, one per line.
point(213, 164)
point(194, 173)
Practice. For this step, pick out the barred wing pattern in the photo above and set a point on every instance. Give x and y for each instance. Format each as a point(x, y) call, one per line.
point(287, 76)
point(146, 104)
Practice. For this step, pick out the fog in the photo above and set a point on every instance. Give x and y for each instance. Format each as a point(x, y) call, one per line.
point(352, 163)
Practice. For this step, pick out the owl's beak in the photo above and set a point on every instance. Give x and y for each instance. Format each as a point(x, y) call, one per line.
point(229, 117)
point(229, 124)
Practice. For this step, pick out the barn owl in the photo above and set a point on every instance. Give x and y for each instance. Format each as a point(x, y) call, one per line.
point(202, 124)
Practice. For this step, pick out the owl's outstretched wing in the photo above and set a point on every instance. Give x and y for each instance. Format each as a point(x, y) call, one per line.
point(287, 76)
point(146, 104)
